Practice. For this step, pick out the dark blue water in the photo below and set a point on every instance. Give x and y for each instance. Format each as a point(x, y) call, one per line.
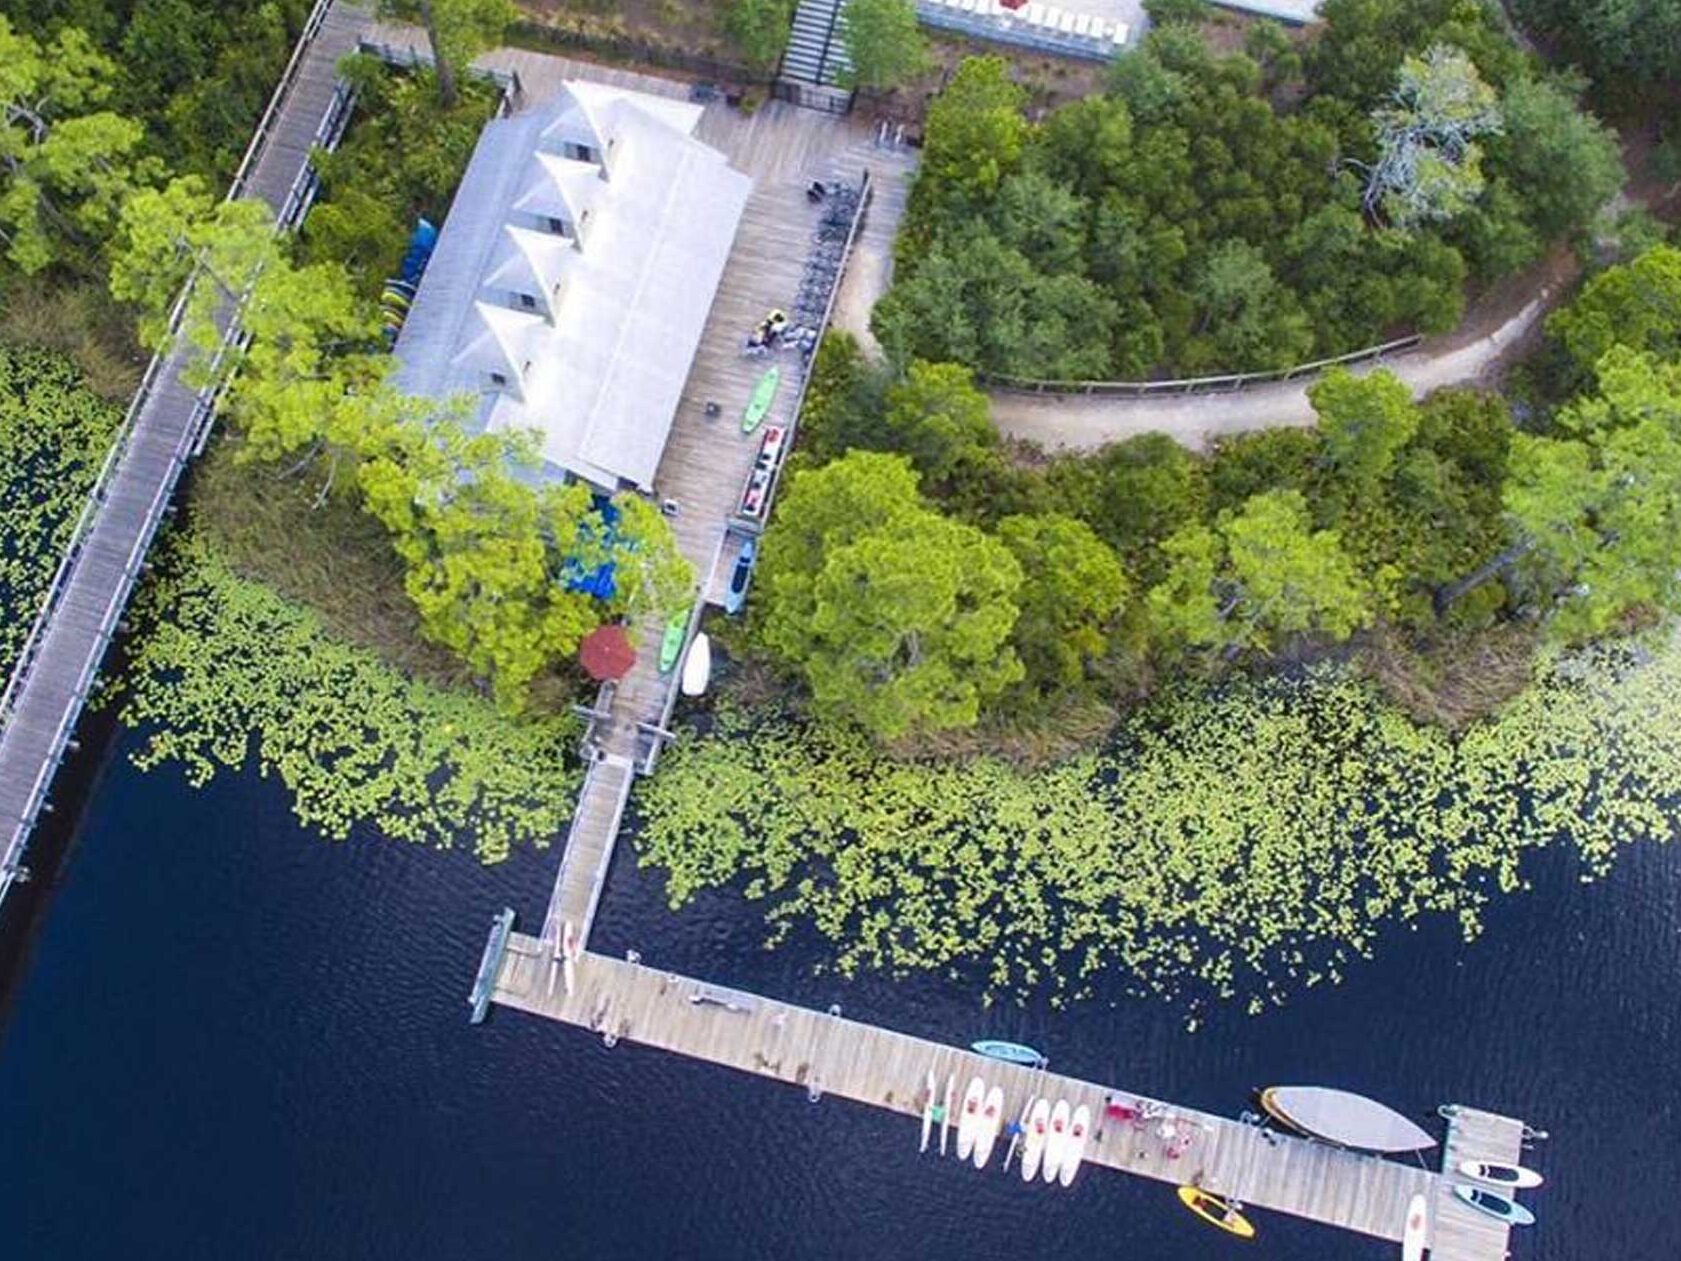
point(234, 1040)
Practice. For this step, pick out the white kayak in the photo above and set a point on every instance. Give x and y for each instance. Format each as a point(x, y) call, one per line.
point(945, 1113)
point(1417, 1233)
point(1056, 1142)
point(1516, 1177)
point(1033, 1146)
point(927, 1113)
point(697, 666)
point(1078, 1131)
point(969, 1121)
point(986, 1129)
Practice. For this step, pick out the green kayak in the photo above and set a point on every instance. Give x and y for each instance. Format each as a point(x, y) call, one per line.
point(764, 394)
point(671, 647)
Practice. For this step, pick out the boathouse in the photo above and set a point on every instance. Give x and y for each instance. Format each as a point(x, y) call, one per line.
point(573, 277)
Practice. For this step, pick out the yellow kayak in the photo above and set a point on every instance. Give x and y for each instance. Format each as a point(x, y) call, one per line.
point(1216, 1212)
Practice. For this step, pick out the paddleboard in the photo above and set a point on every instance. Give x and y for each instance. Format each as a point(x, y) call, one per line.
point(697, 668)
point(986, 1129)
point(764, 394)
point(945, 1118)
point(671, 646)
point(1078, 1130)
point(1494, 1205)
point(1216, 1212)
point(1418, 1229)
point(1056, 1141)
point(569, 956)
point(970, 1120)
point(928, 1113)
point(1011, 1052)
point(1514, 1176)
point(1033, 1146)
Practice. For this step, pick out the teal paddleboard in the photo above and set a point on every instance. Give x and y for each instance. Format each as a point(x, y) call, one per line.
point(764, 394)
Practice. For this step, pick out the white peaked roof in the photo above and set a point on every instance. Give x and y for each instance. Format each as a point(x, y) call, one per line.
point(587, 334)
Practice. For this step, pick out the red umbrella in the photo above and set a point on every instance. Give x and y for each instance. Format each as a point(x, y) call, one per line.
point(606, 652)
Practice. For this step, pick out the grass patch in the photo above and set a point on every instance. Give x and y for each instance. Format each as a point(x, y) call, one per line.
point(77, 319)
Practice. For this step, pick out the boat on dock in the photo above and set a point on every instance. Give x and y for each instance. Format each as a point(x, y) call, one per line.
point(969, 1122)
point(1417, 1232)
point(945, 1112)
point(1009, 1052)
point(1079, 1129)
point(1494, 1205)
point(671, 644)
point(764, 394)
point(1056, 1142)
point(928, 1113)
point(697, 668)
point(1033, 1145)
point(1216, 1210)
point(1515, 1177)
point(1343, 1119)
point(986, 1129)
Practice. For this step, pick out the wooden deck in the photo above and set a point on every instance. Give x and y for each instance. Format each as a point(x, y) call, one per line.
point(1458, 1232)
point(828, 1054)
point(59, 663)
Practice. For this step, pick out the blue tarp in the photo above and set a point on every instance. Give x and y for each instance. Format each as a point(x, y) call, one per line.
point(600, 581)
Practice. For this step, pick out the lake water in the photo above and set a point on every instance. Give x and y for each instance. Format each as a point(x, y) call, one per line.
point(233, 1040)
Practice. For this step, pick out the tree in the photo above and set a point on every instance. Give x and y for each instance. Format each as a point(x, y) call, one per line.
point(1249, 321)
point(898, 618)
point(1565, 163)
point(760, 29)
point(1601, 509)
point(1634, 304)
point(884, 44)
point(1072, 591)
point(936, 416)
point(1366, 421)
point(975, 131)
point(456, 30)
point(1262, 577)
point(1630, 47)
point(65, 166)
point(1135, 494)
point(1429, 165)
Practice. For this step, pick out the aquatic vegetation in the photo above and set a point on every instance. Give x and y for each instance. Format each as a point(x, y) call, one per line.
point(54, 433)
point(1239, 842)
point(227, 672)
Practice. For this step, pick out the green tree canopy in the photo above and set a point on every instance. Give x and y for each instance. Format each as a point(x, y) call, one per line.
point(1568, 163)
point(883, 42)
point(1072, 592)
point(1366, 421)
point(456, 30)
point(760, 29)
point(1636, 304)
point(975, 132)
point(936, 416)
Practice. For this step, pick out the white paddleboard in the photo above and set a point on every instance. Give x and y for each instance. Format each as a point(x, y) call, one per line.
point(1056, 1142)
point(986, 1129)
point(945, 1116)
point(569, 956)
point(1033, 1146)
point(1079, 1129)
point(927, 1113)
point(697, 666)
point(1418, 1229)
point(970, 1120)
point(1510, 1177)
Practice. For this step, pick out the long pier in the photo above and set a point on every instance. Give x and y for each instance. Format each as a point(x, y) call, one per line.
point(824, 1053)
point(58, 665)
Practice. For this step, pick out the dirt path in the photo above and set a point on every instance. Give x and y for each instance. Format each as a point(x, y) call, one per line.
point(1506, 320)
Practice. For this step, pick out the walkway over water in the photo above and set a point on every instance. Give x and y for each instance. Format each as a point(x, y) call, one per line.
point(58, 665)
point(826, 1053)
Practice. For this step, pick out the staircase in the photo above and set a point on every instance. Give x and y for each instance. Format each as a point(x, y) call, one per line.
point(816, 53)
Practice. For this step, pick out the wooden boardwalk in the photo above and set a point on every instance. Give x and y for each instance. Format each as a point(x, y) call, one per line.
point(829, 1054)
point(58, 666)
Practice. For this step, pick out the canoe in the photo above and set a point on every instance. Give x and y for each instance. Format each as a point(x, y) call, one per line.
point(671, 646)
point(697, 669)
point(1079, 1129)
point(986, 1129)
point(1056, 1142)
point(1417, 1233)
point(969, 1121)
point(945, 1117)
point(1514, 1176)
point(1011, 1052)
point(1495, 1205)
point(1343, 1118)
point(764, 394)
point(1033, 1146)
point(928, 1113)
point(1216, 1211)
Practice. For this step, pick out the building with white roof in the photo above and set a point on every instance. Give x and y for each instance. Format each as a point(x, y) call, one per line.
point(573, 278)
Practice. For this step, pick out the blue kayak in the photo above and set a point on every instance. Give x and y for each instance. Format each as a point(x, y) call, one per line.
point(1014, 1052)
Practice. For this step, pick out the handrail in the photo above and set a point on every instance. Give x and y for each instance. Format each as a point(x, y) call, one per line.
point(1195, 385)
point(121, 445)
